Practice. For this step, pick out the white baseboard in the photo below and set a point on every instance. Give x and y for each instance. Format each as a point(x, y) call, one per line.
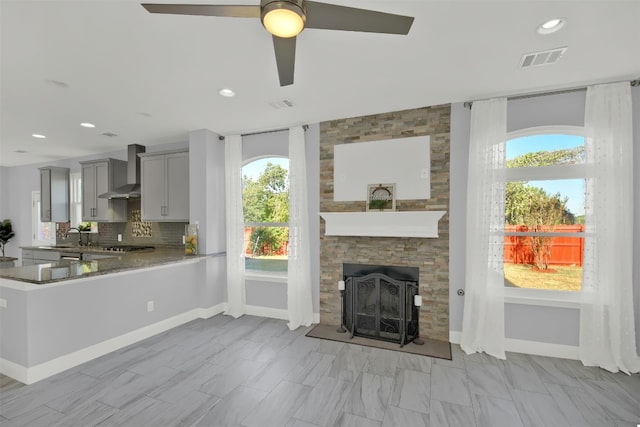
point(13, 370)
point(44, 370)
point(531, 347)
point(206, 313)
point(273, 313)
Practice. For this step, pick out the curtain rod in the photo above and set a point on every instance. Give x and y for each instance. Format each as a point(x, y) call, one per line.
point(468, 104)
point(305, 127)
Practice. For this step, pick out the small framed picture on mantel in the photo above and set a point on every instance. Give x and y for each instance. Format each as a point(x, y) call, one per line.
point(381, 197)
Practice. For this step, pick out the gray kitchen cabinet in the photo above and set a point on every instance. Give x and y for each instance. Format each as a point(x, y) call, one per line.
point(165, 186)
point(98, 177)
point(35, 256)
point(54, 194)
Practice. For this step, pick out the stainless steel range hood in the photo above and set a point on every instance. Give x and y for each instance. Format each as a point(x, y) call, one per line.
point(132, 188)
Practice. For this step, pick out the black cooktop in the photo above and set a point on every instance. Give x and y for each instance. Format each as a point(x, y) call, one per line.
point(127, 248)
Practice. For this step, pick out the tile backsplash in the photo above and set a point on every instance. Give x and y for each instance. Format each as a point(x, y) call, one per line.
point(134, 231)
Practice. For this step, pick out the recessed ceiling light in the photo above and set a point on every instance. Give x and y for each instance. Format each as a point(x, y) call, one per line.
point(227, 92)
point(87, 125)
point(37, 135)
point(552, 25)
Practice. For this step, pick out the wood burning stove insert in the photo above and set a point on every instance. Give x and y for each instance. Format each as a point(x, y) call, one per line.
point(378, 302)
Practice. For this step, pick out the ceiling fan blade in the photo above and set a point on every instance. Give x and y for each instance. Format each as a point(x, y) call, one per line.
point(236, 11)
point(326, 16)
point(285, 58)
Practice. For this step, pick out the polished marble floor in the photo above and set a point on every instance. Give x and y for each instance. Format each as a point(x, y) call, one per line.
point(254, 372)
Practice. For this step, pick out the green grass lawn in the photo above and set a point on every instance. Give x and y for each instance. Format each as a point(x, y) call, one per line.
point(562, 278)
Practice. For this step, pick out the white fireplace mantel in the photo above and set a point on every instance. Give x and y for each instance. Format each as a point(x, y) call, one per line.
point(383, 224)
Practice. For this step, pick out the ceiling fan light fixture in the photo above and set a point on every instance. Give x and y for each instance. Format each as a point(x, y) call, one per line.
point(283, 18)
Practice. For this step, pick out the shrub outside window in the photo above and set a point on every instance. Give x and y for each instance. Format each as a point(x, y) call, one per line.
point(265, 203)
point(544, 212)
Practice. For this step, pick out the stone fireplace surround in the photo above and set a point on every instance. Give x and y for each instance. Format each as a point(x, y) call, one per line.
point(430, 255)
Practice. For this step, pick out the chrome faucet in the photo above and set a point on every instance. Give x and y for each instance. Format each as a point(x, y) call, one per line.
point(79, 234)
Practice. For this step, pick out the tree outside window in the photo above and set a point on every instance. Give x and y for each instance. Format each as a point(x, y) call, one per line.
point(544, 212)
point(265, 198)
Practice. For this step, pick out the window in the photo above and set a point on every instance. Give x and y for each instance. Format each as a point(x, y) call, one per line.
point(75, 206)
point(544, 211)
point(265, 203)
point(44, 233)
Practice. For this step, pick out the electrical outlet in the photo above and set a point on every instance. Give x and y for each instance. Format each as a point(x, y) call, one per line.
point(149, 306)
point(3, 303)
point(119, 237)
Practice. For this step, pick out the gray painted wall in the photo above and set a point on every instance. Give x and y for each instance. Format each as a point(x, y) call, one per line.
point(526, 322)
point(207, 209)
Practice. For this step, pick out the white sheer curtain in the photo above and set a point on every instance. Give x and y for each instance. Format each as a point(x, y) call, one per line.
point(607, 330)
point(483, 322)
point(235, 222)
point(299, 276)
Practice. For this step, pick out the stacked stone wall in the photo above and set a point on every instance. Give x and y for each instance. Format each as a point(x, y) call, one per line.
point(430, 255)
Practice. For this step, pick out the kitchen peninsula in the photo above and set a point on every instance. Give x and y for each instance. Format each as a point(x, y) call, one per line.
point(113, 262)
point(58, 315)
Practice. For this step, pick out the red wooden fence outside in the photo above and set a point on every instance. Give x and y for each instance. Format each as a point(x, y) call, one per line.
point(564, 250)
point(248, 248)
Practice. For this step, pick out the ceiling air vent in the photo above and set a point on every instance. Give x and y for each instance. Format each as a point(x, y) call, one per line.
point(283, 103)
point(543, 57)
point(110, 134)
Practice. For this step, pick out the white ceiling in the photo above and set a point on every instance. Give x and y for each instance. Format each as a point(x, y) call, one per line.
point(151, 79)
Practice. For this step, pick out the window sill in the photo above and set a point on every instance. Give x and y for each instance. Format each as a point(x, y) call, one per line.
point(562, 299)
point(266, 277)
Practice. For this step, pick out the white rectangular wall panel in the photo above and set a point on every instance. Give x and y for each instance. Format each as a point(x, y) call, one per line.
point(402, 161)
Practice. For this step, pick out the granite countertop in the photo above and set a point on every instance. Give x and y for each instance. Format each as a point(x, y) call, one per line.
point(75, 249)
point(62, 270)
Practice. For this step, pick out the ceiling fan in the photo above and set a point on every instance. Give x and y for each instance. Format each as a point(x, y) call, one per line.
point(285, 19)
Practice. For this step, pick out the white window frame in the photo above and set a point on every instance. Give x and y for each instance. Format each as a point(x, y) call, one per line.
point(75, 199)
point(35, 223)
point(260, 275)
point(544, 297)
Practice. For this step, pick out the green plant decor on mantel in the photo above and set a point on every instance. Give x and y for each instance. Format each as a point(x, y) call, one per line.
point(378, 204)
point(6, 233)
